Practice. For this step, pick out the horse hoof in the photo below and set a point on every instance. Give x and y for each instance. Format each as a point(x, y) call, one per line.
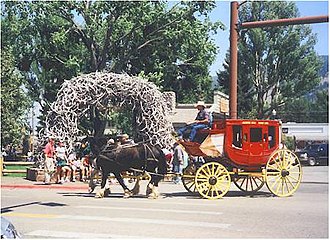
point(127, 194)
point(99, 195)
point(148, 191)
point(152, 196)
point(91, 189)
point(107, 192)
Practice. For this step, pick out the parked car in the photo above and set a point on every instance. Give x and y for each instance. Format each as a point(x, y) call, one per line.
point(314, 154)
point(8, 230)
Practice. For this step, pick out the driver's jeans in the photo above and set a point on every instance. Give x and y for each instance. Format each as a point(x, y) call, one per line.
point(194, 127)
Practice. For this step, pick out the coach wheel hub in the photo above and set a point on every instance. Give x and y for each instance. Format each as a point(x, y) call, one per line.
point(284, 173)
point(213, 180)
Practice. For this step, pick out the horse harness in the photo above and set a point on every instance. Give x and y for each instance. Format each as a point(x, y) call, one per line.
point(119, 148)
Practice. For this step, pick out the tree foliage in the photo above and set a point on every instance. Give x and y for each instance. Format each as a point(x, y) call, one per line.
point(276, 65)
point(307, 110)
point(14, 101)
point(57, 40)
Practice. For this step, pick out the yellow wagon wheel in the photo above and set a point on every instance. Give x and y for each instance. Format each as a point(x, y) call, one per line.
point(283, 173)
point(188, 178)
point(212, 180)
point(249, 184)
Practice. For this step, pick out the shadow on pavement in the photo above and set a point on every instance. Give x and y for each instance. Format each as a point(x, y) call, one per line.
point(49, 204)
point(229, 194)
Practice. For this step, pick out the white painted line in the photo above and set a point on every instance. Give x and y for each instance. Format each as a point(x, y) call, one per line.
point(152, 209)
point(204, 203)
point(148, 221)
point(75, 235)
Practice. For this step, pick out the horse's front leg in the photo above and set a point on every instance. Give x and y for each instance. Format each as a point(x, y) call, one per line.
point(152, 188)
point(102, 191)
point(92, 185)
point(136, 188)
point(127, 192)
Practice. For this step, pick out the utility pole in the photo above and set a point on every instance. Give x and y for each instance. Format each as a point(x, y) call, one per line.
point(233, 60)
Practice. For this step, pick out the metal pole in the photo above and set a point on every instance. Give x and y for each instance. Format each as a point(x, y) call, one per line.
point(233, 60)
point(286, 21)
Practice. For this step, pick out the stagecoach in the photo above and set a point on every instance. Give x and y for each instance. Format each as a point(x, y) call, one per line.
point(246, 152)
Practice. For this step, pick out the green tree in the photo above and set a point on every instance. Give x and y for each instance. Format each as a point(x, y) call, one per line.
point(14, 101)
point(58, 40)
point(276, 65)
point(304, 109)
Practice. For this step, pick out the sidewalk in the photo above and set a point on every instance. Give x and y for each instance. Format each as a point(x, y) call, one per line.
point(19, 182)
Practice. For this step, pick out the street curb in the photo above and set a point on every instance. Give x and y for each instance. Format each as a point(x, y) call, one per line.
point(13, 186)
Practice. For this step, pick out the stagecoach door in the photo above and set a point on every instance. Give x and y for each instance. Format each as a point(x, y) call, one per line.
point(257, 141)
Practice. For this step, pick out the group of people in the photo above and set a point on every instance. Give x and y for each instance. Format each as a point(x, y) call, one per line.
point(63, 165)
point(9, 152)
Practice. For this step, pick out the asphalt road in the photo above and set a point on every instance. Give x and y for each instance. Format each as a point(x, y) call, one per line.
point(69, 211)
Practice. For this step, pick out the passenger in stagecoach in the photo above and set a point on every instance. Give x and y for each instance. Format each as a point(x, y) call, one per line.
point(201, 121)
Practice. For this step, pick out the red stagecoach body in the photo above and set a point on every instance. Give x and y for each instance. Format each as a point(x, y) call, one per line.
point(245, 152)
point(246, 143)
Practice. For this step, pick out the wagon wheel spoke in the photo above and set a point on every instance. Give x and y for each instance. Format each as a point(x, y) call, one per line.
point(212, 180)
point(220, 188)
point(205, 173)
point(248, 184)
point(218, 171)
point(288, 174)
point(277, 179)
point(188, 178)
point(217, 193)
point(293, 178)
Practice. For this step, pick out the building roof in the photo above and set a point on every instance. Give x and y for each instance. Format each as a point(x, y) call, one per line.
point(307, 131)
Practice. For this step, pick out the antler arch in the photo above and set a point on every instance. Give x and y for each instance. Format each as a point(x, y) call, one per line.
point(100, 89)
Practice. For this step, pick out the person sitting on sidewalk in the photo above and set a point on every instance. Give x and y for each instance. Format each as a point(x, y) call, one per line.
point(75, 165)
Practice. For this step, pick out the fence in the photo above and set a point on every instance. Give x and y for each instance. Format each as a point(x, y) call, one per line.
point(3, 170)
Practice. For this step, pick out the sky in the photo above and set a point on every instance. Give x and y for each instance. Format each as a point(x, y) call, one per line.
point(306, 8)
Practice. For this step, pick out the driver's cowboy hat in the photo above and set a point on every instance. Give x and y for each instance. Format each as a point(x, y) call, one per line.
point(200, 103)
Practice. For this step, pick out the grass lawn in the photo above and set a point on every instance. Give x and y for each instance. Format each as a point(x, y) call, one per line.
point(16, 168)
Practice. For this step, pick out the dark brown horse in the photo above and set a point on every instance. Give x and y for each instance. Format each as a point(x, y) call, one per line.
point(116, 159)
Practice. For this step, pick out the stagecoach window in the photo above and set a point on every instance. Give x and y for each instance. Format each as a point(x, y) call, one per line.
point(271, 137)
point(256, 135)
point(237, 136)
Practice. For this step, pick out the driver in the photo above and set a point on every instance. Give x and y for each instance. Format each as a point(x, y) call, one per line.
point(201, 121)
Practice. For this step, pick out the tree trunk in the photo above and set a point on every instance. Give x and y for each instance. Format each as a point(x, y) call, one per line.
point(99, 124)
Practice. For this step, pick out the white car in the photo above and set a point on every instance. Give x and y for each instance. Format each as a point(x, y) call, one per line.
point(8, 230)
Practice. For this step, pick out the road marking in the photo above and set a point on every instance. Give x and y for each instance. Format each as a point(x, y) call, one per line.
point(148, 221)
point(152, 209)
point(125, 220)
point(77, 235)
point(205, 202)
point(29, 215)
